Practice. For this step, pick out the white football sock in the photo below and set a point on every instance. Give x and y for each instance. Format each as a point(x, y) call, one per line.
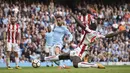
point(87, 65)
point(16, 61)
point(8, 61)
point(51, 58)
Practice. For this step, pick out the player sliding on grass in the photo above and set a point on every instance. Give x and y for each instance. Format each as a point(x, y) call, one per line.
point(75, 58)
point(78, 54)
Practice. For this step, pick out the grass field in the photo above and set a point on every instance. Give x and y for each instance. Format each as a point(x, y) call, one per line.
point(109, 69)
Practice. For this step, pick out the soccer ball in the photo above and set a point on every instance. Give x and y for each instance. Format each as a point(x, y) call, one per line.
point(36, 63)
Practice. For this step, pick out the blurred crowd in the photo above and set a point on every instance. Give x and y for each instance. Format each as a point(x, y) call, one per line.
point(36, 17)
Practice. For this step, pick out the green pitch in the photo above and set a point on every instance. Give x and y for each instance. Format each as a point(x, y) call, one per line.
point(109, 69)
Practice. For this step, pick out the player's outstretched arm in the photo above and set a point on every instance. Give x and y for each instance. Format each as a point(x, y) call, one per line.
point(114, 34)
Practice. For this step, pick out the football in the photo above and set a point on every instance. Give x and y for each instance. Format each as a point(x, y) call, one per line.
point(36, 63)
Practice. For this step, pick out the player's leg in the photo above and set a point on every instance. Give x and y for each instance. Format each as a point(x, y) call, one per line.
point(53, 56)
point(57, 58)
point(78, 64)
point(54, 52)
point(57, 52)
point(8, 60)
point(87, 65)
point(90, 65)
point(58, 49)
point(17, 60)
point(47, 54)
point(84, 53)
point(51, 50)
point(16, 50)
point(8, 50)
point(64, 56)
point(75, 60)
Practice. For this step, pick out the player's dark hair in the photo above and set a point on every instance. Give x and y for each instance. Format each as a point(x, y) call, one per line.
point(83, 12)
point(59, 16)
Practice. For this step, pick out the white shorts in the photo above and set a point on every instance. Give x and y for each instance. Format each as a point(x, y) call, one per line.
point(58, 45)
point(12, 47)
point(47, 48)
point(75, 52)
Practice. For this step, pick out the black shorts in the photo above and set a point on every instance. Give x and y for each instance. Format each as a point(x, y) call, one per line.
point(64, 56)
point(75, 60)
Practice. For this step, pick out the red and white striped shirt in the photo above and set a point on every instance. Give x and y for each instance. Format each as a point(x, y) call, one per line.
point(12, 33)
point(86, 20)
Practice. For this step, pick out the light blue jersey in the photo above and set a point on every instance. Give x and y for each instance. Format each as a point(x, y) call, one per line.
point(59, 33)
point(49, 38)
